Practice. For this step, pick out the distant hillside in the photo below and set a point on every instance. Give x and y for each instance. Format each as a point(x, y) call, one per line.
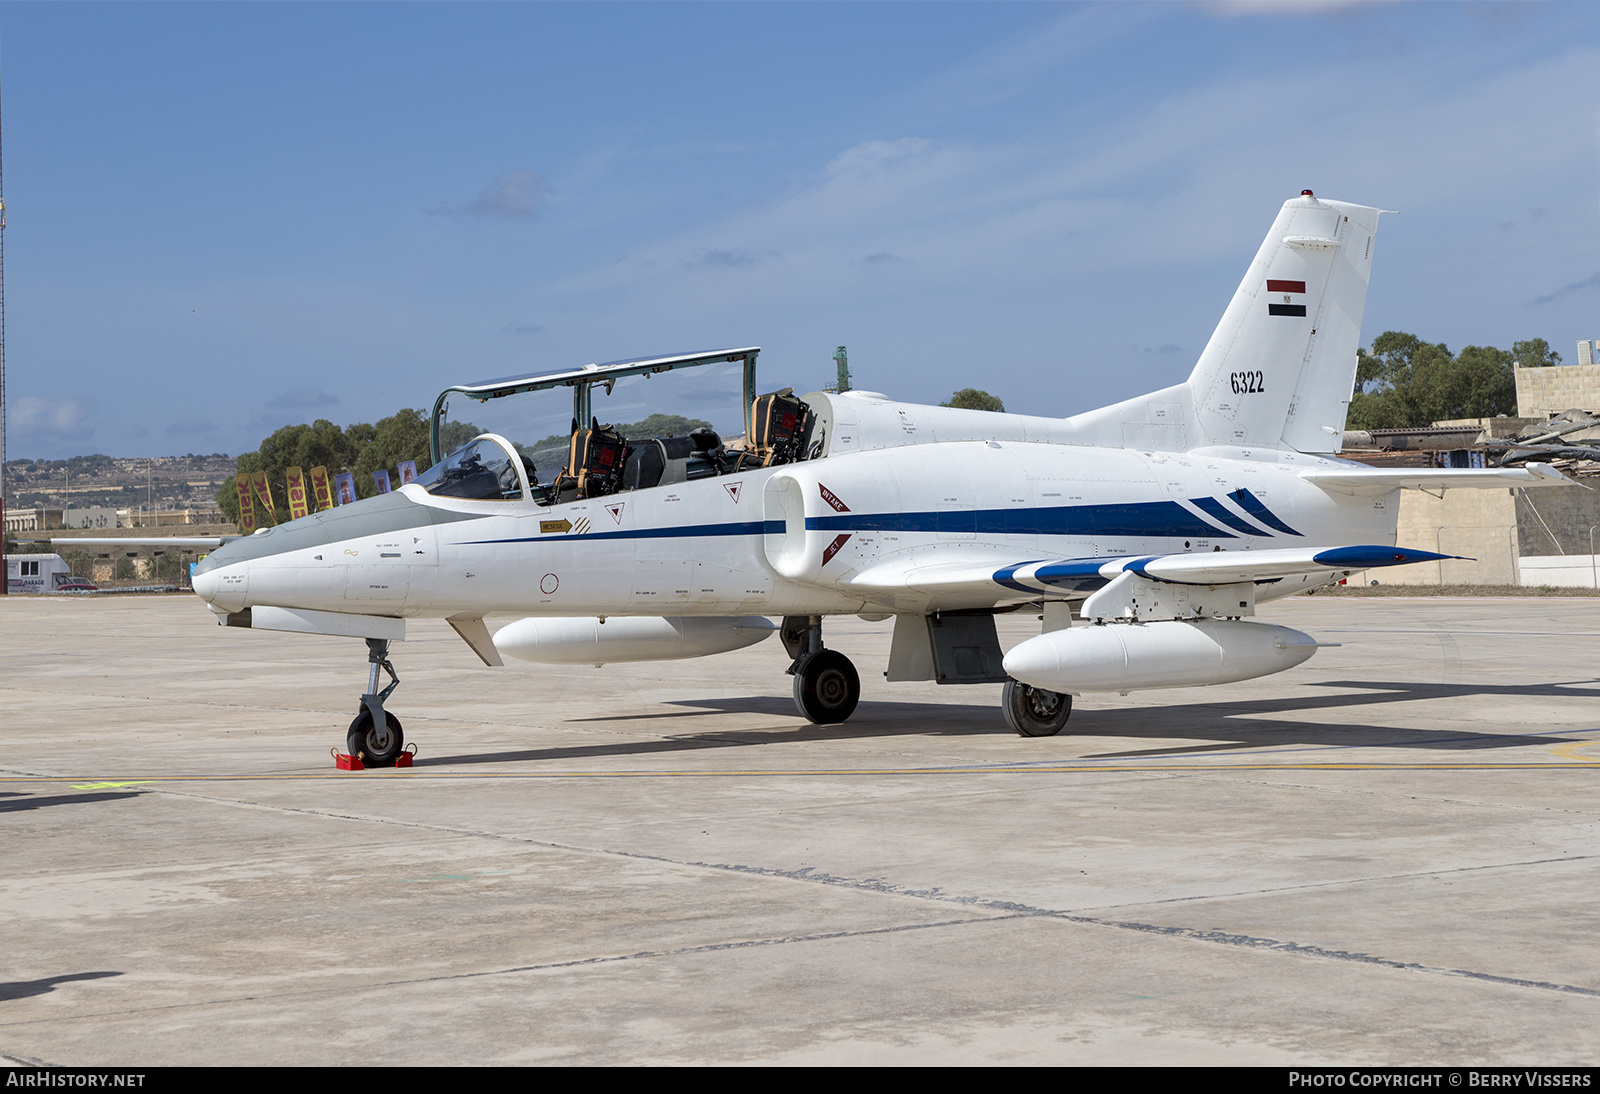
point(116, 482)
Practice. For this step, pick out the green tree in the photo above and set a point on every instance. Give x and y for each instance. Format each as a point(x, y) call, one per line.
point(402, 436)
point(320, 444)
point(1405, 382)
point(360, 448)
point(1479, 383)
point(660, 425)
point(168, 567)
point(970, 398)
point(1534, 353)
point(81, 561)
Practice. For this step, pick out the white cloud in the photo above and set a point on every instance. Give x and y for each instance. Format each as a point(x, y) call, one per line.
point(518, 195)
point(49, 417)
point(1058, 242)
point(1232, 8)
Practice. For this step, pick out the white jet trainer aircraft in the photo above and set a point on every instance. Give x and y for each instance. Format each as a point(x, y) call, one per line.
point(699, 509)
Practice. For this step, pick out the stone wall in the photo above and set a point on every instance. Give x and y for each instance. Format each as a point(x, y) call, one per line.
point(1557, 520)
point(1478, 524)
point(1499, 530)
point(1542, 392)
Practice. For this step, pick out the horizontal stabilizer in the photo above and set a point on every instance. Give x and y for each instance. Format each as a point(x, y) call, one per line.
point(1380, 480)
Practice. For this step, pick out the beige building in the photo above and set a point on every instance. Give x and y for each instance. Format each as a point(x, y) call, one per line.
point(33, 520)
point(1503, 537)
point(1537, 537)
point(1543, 392)
point(1478, 524)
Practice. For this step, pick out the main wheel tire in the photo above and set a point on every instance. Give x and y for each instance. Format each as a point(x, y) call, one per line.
point(375, 749)
point(1034, 712)
point(826, 687)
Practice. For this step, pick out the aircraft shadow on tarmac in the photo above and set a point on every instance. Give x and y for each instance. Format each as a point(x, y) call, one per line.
point(24, 802)
point(1219, 726)
point(24, 989)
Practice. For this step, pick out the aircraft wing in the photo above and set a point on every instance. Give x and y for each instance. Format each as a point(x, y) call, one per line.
point(1229, 567)
point(1380, 480)
point(146, 541)
point(1062, 577)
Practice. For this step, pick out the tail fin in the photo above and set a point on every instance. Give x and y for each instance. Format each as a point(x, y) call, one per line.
point(1280, 367)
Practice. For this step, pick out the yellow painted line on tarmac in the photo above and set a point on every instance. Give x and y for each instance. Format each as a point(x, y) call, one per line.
point(1574, 763)
point(1569, 751)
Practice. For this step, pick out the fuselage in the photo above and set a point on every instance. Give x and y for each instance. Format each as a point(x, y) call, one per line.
point(850, 533)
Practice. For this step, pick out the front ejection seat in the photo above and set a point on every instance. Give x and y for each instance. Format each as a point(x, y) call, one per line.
point(594, 463)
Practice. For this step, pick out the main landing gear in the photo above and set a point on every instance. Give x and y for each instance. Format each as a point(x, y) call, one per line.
point(375, 737)
point(1034, 712)
point(826, 685)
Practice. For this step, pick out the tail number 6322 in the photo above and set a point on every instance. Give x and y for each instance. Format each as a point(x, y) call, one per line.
point(1247, 383)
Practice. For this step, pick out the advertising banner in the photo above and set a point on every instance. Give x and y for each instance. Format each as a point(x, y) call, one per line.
point(247, 506)
point(297, 494)
point(381, 477)
point(264, 495)
point(345, 484)
point(319, 487)
point(408, 471)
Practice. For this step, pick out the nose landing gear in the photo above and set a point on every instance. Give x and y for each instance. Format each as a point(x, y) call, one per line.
point(375, 737)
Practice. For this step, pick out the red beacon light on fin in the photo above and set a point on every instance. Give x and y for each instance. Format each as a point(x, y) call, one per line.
point(1307, 194)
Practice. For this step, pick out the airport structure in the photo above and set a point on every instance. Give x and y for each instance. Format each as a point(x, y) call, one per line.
point(1511, 537)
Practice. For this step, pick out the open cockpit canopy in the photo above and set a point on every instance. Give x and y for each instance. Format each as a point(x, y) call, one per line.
point(614, 427)
point(642, 397)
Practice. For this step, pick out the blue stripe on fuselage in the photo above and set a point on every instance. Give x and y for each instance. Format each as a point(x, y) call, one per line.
point(1213, 508)
point(1258, 509)
point(682, 531)
point(1163, 519)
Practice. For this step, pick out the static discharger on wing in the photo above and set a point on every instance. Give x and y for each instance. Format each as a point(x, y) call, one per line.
point(663, 507)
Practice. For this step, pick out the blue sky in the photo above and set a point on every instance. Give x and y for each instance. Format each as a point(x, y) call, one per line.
point(225, 218)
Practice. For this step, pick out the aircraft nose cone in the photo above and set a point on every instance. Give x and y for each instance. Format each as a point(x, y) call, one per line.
point(223, 587)
point(207, 585)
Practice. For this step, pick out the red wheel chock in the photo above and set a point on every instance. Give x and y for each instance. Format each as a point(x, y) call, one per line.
point(353, 763)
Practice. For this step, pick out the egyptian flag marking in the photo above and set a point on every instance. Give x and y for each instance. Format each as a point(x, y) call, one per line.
point(1289, 289)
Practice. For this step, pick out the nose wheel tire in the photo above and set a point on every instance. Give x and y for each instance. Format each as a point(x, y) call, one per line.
point(1034, 712)
point(374, 748)
point(826, 687)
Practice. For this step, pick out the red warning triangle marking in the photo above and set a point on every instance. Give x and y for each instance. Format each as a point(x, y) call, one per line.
point(616, 511)
point(733, 489)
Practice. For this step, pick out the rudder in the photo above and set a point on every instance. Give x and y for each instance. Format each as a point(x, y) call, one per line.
point(1280, 367)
